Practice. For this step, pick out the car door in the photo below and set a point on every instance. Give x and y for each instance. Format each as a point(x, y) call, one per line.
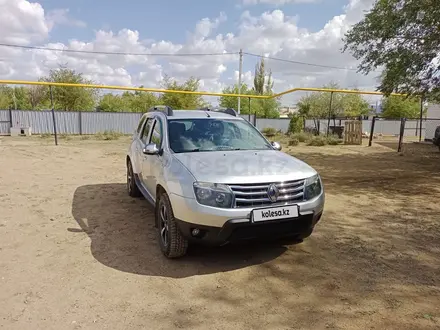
point(142, 140)
point(152, 165)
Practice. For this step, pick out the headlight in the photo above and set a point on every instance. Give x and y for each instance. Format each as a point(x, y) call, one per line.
point(313, 187)
point(213, 194)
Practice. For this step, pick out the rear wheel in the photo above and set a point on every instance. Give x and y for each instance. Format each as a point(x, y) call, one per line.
point(171, 241)
point(132, 187)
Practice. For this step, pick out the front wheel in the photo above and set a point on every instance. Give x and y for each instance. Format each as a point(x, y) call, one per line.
point(171, 241)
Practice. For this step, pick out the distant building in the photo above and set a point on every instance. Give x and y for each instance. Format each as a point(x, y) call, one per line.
point(376, 107)
point(286, 111)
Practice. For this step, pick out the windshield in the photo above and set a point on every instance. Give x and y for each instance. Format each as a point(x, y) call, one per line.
point(211, 134)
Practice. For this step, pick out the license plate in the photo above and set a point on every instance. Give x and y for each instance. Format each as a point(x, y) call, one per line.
point(275, 213)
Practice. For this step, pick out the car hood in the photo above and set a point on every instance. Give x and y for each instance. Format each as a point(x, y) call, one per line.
point(250, 166)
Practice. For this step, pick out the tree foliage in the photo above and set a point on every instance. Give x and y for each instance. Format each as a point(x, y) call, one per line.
point(263, 85)
point(71, 98)
point(403, 38)
point(400, 107)
point(317, 105)
point(182, 101)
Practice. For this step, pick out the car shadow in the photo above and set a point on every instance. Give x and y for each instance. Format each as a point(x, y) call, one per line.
point(123, 237)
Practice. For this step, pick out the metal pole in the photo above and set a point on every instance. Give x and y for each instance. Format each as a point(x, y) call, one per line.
point(53, 116)
point(10, 116)
point(249, 108)
point(373, 123)
point(421, 119)
point(240, 69)
point(402, 132)
point(329, 113)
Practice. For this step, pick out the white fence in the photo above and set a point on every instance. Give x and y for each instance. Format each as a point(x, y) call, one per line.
point(125, 122)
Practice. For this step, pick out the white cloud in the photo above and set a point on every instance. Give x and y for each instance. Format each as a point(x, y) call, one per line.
point(271, 33)
point(22, 22)
point(61, 17)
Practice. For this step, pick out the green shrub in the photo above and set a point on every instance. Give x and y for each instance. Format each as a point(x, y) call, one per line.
point(333, 140)
point(45, 135)
point(317, 141)
point(269, 131)
point(108, 135)
point(302, 136)
point(296, 124)
point(293, 142)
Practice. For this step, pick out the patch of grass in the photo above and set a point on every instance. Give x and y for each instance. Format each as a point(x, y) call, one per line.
point(302, 136)
point(269, 131)
point(65, 136)
point(108, 135)
point(85, 137)
point(333, 140)
point(293, 142)
point(45, 135)
point(317, 141)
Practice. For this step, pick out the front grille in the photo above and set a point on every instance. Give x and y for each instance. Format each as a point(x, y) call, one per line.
point(255, 194)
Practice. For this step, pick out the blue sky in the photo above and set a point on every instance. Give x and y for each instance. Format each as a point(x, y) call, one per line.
point(308, 31)
point(170, 19)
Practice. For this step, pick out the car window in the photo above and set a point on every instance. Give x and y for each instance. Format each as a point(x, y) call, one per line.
point(210, 134)
point(141, 124)
point(146, 130)
point(156, 136)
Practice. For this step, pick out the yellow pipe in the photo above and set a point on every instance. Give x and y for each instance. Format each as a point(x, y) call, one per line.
point(140, 89)
point(156, 90)
point(328, 90)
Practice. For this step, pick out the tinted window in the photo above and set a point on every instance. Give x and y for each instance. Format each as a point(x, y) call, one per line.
point(146, 131)
point(156, 137)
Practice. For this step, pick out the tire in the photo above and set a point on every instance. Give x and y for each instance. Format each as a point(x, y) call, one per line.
point(171, 241)
point(132, 188)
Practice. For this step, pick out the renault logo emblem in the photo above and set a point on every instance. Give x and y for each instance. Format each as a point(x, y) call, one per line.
point(273, 193)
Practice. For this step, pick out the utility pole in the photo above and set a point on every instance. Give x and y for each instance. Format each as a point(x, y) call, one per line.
point(240, 69)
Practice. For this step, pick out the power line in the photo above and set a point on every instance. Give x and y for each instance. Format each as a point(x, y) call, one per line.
point(299, 62)
point(114, 53)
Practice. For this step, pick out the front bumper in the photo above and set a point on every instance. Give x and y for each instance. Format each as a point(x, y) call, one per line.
point(225, 225)
point(235, 231)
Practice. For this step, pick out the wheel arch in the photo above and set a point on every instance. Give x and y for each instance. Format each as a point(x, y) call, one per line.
point(159, 190)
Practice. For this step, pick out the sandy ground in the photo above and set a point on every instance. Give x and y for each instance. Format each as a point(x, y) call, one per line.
point(78, 253)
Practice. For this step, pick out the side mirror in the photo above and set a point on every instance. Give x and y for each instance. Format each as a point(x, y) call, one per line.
point(151, 149)
point(276, 146)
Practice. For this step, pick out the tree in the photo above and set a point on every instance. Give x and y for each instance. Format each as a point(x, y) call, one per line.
point(354, 105)
point(5, 97)
point(71, 98)
point(112, 103)
point(296, 124)
point(14, 97)
point(182, 101)
point(263, 85)
point(400, 107)
point(317, 105)
point(403, 37)
point(232, 101)
point(36, 95)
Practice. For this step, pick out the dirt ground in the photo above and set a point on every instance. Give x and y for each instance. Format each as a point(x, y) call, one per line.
point(78, 253)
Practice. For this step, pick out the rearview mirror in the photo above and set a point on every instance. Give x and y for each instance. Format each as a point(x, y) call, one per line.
point(276, 146)
point(151, 149)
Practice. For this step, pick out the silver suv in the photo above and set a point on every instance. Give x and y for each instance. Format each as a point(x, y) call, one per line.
point(214, 178)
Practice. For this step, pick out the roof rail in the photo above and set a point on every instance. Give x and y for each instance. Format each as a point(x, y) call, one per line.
point(162, 108)
point(228, 111)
